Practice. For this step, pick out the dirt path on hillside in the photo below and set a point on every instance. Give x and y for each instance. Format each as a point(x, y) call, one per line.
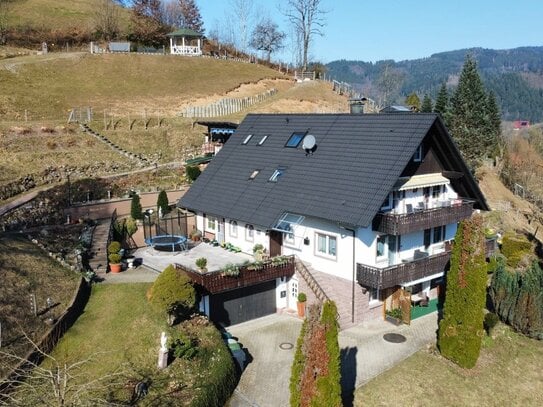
point(11, 64)
point(509, 210)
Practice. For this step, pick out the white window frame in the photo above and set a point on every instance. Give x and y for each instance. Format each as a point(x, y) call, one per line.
point(326, 254)
point(288, 237)
point(233, 228)
point(249, 233)
point(384, 255)
point(373, 294)
point(211, 223)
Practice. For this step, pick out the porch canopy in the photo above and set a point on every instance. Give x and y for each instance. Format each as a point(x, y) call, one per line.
point(185, 41)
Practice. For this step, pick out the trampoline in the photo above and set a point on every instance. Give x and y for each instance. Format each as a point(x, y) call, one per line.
point(162, 242)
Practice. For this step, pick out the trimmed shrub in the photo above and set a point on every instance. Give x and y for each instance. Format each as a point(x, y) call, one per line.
point(192, 172)
point(162, 203)
point(173, 293)
point(135, 207)
point(315, 375)
point(115, 258)
point(130, 226)
point(302, 297)
point(517, 298)
point(114, 247)
point(461, 329)
point(183, 347)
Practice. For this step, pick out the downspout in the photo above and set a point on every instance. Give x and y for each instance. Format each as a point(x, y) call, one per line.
point(354, 271)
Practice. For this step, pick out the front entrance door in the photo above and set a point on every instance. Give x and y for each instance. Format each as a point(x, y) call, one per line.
point(276, 242)
point(220, 230)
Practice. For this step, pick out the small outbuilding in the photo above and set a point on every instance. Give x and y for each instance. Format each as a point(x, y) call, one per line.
point(186, 42)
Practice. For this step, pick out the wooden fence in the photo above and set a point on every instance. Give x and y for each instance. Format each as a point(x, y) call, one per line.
point(226, 106)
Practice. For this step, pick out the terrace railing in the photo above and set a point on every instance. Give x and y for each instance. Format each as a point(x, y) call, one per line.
point(216, 282)
point(415, 220)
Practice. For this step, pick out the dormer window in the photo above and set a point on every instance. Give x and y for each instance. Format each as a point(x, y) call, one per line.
point(417, 157)
point(246, 140)
point(295, 140)
point(277, 174)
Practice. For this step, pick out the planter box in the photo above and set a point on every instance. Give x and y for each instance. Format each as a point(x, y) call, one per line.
point(393, 320)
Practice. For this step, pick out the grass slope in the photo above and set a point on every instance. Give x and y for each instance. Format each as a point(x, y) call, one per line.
point(58, 15)
point(25, 269)
point(48, 88)
point(508, 373)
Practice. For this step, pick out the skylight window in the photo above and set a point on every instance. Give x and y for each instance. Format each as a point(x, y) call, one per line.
point(262, 140)
point(278, 173)
point(295, 140)
point(247, 139)
point(254, 174)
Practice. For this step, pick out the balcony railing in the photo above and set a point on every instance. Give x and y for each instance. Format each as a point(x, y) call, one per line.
point(417, 219)
point(381, 278)
point(214, 282)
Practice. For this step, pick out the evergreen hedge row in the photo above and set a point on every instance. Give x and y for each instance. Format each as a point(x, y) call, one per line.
point(517, 296)
point(461, 329)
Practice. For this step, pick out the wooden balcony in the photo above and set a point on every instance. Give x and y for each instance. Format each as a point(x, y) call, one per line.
point(399, 224)
point(214, 282)
point(381, 278)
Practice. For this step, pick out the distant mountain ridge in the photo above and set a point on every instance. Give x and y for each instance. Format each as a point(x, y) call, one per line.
point(514, 75)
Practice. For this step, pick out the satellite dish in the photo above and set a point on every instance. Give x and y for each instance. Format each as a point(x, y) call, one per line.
point(309, 143)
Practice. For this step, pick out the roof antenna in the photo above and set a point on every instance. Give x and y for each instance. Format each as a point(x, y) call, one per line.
point(287, 119)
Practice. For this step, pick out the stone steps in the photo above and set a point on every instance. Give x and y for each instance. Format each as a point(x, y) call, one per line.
point(98, 250)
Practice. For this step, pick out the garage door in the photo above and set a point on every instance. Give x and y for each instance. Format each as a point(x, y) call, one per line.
point(234, 307)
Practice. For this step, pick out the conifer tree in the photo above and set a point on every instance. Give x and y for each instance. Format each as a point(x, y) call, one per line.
point(163, 206)
point(494, 121)
point(461, 329)
point(135, 207)
point(442, 103)
point(469, 116)
point(426, 104)
point(191, 15)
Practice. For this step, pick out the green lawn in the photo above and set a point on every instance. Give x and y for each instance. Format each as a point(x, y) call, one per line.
point(121, 333)
point(508, 373)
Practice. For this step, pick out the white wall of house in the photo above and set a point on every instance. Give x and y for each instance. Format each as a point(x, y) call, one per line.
point(313, 230)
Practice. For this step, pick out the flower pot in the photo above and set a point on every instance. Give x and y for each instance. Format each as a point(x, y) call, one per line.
point(301, 309)
point(393, 320)
point(115, 268)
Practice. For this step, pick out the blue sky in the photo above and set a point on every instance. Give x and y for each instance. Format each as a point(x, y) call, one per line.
point(403, 29)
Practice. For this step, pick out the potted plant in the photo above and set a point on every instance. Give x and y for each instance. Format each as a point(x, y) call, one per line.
point(258, 251)
point(230, 270)
point(302, 298)
point(394, 316)
point(114, 257)
point(196, 235)
point(201, 263)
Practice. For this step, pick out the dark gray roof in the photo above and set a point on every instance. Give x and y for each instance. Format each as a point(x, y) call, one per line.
point(357, 161)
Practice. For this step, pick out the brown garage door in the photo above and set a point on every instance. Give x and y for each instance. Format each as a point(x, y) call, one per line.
point(236, 306)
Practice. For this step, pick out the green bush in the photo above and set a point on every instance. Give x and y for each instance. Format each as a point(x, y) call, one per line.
point(114, 247)
point(302, 297)
point(162, 203)
point(173, 293)
point(130, 226)
point(298, 366)
point(490, 321)
point(515, 248)
point(517, 299)
point(192, 172)
point(201, 262)
point(461, 329)
point(115, 258)
point(183, 347)
point(135, 208)
point(258, 248)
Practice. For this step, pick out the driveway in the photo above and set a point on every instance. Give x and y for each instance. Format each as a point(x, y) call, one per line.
point(365, 354)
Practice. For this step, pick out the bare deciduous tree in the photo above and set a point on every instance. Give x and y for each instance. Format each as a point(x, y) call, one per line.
point(267, 37)
point(106, 20)
point(57, 383)
point(172, 14)
point(243, 13)
point(307, 18)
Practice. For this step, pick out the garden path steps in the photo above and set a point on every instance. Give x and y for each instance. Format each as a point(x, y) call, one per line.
point(339, 290)
point(141, 160)
point(98, 251)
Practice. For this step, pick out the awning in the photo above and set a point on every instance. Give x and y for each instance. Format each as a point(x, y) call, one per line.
point(420, 181)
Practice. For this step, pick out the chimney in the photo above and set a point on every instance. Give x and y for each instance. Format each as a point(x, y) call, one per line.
point(357, 105)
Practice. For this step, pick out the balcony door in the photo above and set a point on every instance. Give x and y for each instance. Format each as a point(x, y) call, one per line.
point(393, 249)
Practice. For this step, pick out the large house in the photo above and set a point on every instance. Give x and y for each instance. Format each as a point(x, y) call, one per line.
point(367, 203)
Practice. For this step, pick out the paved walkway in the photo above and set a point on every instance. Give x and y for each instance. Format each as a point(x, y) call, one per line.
point(365, 354)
